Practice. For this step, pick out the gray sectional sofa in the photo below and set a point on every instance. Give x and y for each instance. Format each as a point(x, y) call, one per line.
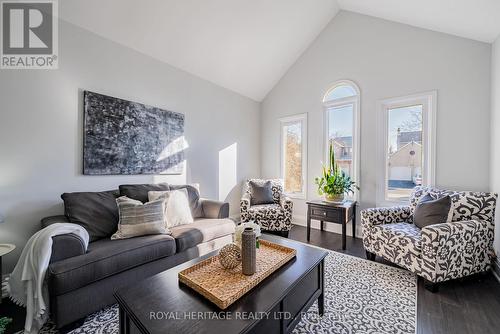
point(83, 282)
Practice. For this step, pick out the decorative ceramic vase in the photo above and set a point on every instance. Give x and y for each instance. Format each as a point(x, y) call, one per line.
point(248, 251)
point(230, 256)
point(337, 198)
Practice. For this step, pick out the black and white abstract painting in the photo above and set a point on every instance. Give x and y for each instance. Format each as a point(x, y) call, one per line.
point(128, 138)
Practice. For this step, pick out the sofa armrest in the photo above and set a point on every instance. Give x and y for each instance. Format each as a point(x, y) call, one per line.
point(245, 203)
point(65, 245)
point(452, 250)
point(286, 204)
point(389, 215)
point(214, 209)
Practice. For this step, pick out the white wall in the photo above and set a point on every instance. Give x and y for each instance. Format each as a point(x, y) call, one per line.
point(388, 59)
point(495, 133)
point(41, 128)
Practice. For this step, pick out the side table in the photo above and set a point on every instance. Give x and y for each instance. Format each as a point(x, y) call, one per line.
point(338, 213)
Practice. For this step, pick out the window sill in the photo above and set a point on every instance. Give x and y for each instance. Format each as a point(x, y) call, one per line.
point(389, 203)
point(295, 196)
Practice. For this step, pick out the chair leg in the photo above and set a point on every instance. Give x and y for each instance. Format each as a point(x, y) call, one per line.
point(370, 256)
point(431, 286)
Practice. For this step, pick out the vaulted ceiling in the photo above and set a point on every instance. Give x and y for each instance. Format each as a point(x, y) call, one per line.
point(247, 46)
point(474, 19)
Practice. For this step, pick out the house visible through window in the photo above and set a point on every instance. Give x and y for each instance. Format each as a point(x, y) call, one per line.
point(341, 104)
point(293, 154)
point(408, 146)
point(404, 156)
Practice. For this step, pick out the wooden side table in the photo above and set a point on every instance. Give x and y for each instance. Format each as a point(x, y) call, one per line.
point(4, 250)
point(340, 213)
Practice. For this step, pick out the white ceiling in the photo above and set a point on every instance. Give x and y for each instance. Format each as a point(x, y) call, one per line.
point(474, 19)
point(247, 46)
point(243, 45)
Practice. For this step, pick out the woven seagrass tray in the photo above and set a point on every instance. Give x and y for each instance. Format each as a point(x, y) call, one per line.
point(225, 286)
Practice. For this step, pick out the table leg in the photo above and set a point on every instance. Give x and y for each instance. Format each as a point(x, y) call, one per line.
point(354, 225)
point(308, 224)
point(321, 298)
point(344, 225)
point(321, 225)
point(124, 322)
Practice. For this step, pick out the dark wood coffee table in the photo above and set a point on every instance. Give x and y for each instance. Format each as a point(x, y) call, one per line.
point(160, 304)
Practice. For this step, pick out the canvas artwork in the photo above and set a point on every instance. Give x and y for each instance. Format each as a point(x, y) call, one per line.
point(127, 138)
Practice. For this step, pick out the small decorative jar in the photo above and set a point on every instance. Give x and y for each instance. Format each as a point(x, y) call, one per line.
point(248, 251)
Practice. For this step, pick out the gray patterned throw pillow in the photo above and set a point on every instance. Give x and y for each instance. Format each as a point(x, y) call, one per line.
point(138, 219)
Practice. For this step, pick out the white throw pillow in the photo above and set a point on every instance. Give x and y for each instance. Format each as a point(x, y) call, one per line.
point(177, 210)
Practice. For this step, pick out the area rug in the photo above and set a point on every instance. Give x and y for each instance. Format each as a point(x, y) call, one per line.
point(361, 297)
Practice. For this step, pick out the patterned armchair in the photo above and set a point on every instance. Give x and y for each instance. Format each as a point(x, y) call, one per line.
point(437, 252)
point(276, 217)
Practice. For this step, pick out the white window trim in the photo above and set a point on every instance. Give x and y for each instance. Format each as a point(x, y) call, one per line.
point(356, 101)
point(429, 102)
point(285, 121)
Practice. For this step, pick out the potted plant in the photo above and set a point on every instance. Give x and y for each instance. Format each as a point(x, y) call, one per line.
point(240, 228)
point(4, 321)
point(334, 183)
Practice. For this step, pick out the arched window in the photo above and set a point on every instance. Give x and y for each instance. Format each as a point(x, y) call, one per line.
point(341, 104)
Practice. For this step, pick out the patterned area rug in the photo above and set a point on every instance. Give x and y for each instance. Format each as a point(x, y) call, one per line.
point(361, 297)
point(364, 297)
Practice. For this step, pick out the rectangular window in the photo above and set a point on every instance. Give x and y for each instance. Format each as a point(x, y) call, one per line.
point(404, 154)
point(407, 146)
point(294, 154)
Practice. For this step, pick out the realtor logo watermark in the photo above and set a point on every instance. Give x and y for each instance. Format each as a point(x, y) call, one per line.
point(29, 35)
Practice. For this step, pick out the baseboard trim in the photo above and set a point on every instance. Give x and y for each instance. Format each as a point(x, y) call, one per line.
point(495, 269)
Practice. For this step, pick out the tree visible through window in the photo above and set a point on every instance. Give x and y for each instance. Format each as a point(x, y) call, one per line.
point(293, 158)
point(293, 154)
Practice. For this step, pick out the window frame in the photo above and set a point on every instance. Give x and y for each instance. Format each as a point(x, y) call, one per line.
point(428, 100)
point(336, 103)
point(302, 118)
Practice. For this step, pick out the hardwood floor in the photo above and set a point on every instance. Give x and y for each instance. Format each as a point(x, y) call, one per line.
point(467, 306)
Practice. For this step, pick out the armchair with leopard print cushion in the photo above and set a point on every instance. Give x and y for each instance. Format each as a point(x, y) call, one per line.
point(438, 252)
point(275, 217)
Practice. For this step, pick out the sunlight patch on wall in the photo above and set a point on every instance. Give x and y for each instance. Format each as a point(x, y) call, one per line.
point(172, 179)
point(176, 146)
point(228, 165)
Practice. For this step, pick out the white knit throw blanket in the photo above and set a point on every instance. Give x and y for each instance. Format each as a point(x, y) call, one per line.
point(26, 285)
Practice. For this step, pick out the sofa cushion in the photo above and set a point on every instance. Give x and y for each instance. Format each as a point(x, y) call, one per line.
point(105, 258)
point(97, 212)
point(176, 205)
point(261, 193)
point(430, 211)
point(202, 230)
point(466, 205)
point(140, 191)
point(138, 219)
point(276, 184)
point(400, 243)
point(194, 199)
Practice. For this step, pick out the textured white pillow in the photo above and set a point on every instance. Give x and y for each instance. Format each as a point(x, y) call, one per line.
point(137, 218)
point(177, 210)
